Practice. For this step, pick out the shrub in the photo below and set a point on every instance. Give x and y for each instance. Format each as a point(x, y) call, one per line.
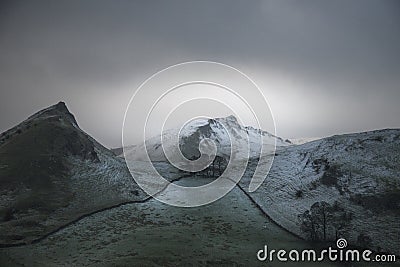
point(364, 240)
point(8, 214)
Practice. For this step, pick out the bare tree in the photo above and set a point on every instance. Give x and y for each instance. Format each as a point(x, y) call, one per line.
point(323, 218)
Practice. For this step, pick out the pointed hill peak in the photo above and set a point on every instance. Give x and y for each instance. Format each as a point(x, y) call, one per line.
point(57, 111)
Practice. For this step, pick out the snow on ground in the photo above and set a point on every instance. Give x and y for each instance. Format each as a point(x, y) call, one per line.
point(193, 132)
point(228, 232)
point(303, 140)
point(358, 171)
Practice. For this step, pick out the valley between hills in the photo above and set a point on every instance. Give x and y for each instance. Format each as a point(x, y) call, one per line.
point(66, 200)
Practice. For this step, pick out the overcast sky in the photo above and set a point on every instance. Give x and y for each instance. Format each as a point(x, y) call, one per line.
point(325, 66)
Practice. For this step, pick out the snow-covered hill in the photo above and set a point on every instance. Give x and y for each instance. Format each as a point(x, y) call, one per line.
point(303, 140)
point(195, 131)
point(352, 181)
point(51, 172)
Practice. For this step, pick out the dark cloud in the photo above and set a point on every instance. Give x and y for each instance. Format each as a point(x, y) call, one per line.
point(334, 64)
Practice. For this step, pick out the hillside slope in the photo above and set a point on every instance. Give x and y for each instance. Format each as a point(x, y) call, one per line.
point(192, 133)
point(51, 172)
point(341, 186)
